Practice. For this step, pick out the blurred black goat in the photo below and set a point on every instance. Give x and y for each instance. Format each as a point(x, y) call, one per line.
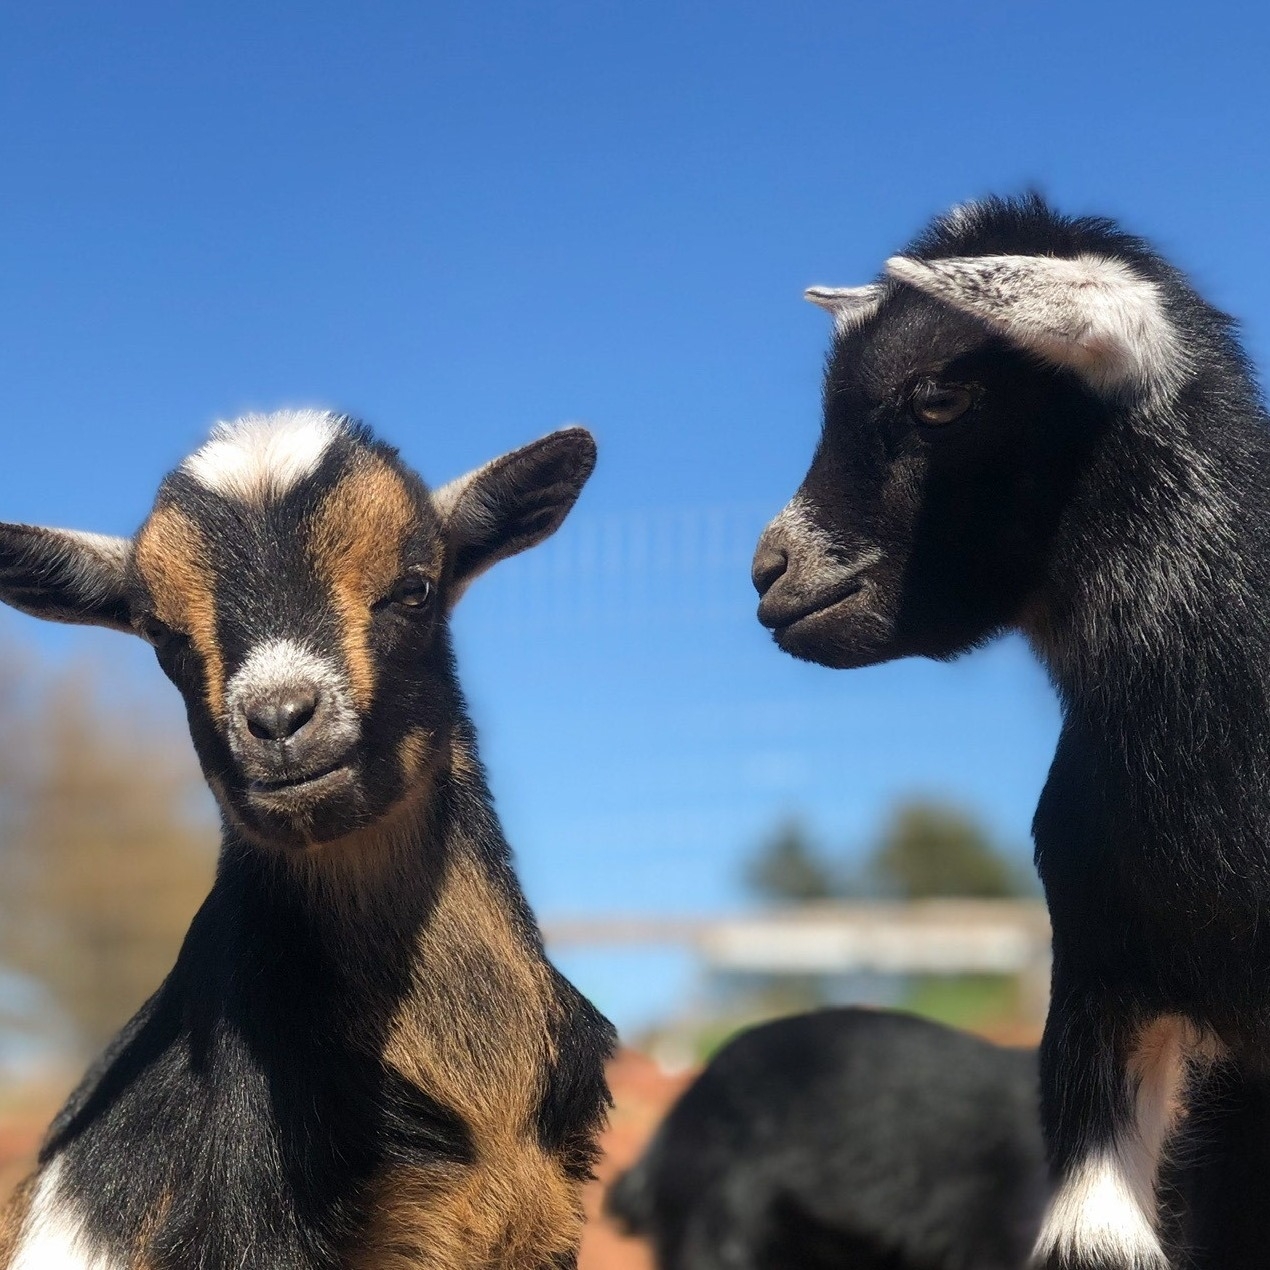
point(848, 1137)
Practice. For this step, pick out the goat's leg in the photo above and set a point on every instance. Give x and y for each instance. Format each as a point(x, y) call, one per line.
point(1111, 1094)
point(1220, 1172)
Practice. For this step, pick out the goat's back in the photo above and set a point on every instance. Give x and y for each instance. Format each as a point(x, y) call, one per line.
point(846, 1136)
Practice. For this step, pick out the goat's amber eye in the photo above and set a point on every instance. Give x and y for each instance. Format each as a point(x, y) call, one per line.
point(158, 633)
point(935, 404)
point(412, 592)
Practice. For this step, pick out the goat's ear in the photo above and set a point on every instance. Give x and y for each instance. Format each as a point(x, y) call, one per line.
point(512, 502)
point(1090, 314)
point(848, 306)
point(65, 576)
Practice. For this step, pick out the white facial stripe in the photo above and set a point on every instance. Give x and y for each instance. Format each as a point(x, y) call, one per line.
point(259, 457)
point(850, 307)
point(797, 522)
point(1091, 314)
point(285, 663)
point(819, 554)
point(53, 1234)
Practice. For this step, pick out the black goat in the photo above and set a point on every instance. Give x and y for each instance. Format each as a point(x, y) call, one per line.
point(362, 1057)
point(1034, 422)
point(845, 1138)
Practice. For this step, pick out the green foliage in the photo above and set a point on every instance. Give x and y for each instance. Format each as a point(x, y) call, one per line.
point(929, 849)
point(789, 868)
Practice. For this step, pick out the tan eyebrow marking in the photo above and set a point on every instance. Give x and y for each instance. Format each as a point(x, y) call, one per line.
point(173, 559)
point(358, 533)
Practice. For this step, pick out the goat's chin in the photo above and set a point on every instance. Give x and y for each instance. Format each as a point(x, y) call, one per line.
point(299, 821)
point(838, 644)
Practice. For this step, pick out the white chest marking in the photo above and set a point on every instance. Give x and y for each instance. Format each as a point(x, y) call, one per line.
point(53, 1235)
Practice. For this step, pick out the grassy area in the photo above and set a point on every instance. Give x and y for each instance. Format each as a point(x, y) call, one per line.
point(975, 1002)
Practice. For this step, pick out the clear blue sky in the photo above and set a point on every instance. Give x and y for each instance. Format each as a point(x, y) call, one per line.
point(469, 223)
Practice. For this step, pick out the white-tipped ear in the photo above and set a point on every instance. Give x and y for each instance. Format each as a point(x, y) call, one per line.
point(513, 502)
point(65, 576)
point(849, 306)
point(1091, 314)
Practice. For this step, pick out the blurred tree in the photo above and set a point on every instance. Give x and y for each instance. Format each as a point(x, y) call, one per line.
point(789, 868)
point(930, 849)
point(106, 851)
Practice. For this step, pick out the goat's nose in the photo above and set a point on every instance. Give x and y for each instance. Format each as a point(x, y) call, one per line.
point(279, 718)
point(770, 562)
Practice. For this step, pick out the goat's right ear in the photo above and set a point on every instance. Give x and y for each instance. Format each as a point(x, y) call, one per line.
point(848, 306)
point(513, 502)
point(65, 576)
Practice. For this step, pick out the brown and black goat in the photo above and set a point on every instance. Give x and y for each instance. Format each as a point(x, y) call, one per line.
point(362, 1057)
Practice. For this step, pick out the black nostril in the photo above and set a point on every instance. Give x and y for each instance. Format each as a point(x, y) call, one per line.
point(282, 717)
point(769, 564)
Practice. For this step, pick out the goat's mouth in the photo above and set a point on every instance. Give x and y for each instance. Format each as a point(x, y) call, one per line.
point(783, 620)
point(302, 788)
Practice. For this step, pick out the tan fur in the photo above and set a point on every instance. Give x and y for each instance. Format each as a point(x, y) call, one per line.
point(463, 763)
point(509, 1215)
point(172, 556)
point(357, 536)
point(1159, 1069)
point(153, 1224)
point(474, 1033)
point(12, 1217)
point(343, 874)
point(413, 753)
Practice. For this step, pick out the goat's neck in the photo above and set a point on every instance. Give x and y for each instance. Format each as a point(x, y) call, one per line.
point(1159, 573)
point(370, 920)
point(1153, 625)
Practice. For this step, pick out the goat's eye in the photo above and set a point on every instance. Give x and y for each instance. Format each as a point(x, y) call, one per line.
point(935, 404)
point(160, 634)
point(412, 592)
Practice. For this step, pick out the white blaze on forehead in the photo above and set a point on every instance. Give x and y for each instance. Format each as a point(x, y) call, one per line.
point(53, 1234)
point(259, 457)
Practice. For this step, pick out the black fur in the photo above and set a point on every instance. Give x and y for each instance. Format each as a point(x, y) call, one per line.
point(246, 1117)
point(1127, 535)
point(248, 1096)
point(842, 1138)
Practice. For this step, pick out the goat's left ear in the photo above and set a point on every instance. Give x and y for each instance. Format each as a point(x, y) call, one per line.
point(1091, 314)
point(513, 502)
point(65, 576)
